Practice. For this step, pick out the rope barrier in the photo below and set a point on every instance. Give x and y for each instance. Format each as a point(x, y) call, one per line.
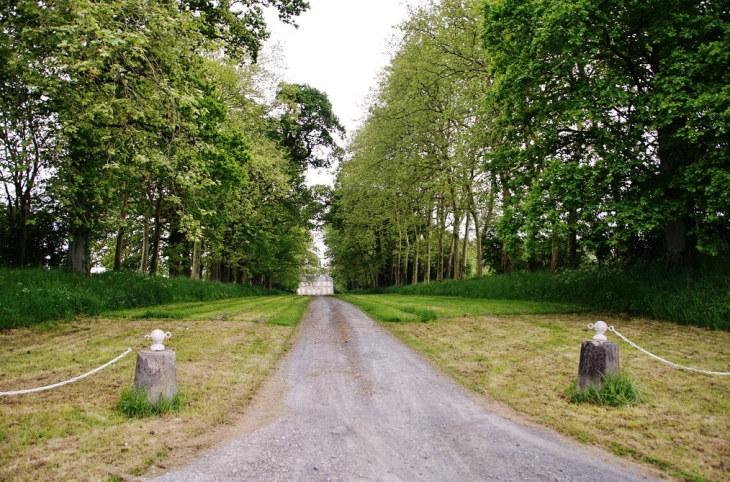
point(55, 385)
point(675, 365)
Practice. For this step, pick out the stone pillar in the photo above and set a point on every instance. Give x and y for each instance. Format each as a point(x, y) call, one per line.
point(597, 360)
point(156, 374)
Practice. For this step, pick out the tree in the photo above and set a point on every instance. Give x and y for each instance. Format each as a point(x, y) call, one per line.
point(307, 128)
point(240, 25)
point(622, 102)
point(415, 182)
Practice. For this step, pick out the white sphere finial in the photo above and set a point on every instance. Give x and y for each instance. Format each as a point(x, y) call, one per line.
point(600, 327)
point(157, 337)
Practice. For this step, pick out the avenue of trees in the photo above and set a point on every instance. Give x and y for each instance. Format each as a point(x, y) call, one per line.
point(539, 134)
point(143, 135)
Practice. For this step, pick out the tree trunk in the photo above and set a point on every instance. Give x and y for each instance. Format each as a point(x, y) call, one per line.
point(454, 256)
point(157, 236)
point(465, 250)
point(405, 259)
point(672, 152)
point(119, 248)
point(505, 262)
point(22, 240)
point(478, 238)
point(555, 258)
point(225, 272)
point(449, 260)
point(120, 236)
point(572, 246)
point(195, 269)
point(186, 259)
point(215, 267)
point(145, 245)
point(427, 267)
point(78, 252)
point(175, 247)
point(397, 269)
point(442, 230)
point(414, 279)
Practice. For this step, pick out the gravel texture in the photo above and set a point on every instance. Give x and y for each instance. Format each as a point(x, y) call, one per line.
point(365, 407)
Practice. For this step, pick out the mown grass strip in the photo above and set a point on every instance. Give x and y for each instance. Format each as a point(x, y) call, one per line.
point(291, 314)
point(396, 308)
point(526, 361)
point(76, 433)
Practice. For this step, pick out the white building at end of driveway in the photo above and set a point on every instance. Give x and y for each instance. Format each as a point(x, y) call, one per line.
point(321, 285)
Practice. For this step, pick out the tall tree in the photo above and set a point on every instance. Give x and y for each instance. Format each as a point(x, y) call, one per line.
point(630, 91)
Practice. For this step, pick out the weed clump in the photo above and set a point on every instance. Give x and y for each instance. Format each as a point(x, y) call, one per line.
point(134, 404)
point(424, 315)
point(617, 390)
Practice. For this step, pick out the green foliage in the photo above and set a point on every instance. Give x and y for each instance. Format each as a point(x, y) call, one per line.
point(308, 127)
point(690, 296)
point(134, 404)
point(241, 25)
point(392, 313)
point(291, 314)
point(617, 390)
point(397, 307)
point(614, 116)
point(414, 171)
point(424, 314)
point(29, 297)
point(549, 134)
point(127, 134)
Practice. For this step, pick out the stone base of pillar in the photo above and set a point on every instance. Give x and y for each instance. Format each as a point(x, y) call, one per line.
point(597, 360)
point(156, 374)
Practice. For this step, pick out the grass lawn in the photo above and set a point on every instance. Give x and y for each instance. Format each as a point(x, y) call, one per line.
point(525, 355)
point(225, 349)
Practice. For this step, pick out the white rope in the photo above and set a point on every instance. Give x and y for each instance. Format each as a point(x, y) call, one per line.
point(40, 389)
point(675, 365)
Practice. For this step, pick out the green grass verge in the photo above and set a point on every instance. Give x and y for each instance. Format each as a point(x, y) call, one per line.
point(523, 358)
point(698, 295)
point(399, 308)
point(31, 297)
point(225, 349)
point(292, 313)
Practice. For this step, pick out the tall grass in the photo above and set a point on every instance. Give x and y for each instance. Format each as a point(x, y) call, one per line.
point(134, 404)
point(692, 296)
point(616, 390)
point(29, 297)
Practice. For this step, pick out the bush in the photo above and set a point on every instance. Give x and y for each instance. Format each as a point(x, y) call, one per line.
point(697, 295)
point(617, 390)
point(29, 297)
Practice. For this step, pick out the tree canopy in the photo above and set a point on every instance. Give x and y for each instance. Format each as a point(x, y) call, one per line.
point(525, 134)
point(135, 135)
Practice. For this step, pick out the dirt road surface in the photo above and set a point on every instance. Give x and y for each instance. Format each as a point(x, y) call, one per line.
point(359, 405)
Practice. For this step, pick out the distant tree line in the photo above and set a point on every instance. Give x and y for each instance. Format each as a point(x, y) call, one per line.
point(523, 134)
point(143, 135)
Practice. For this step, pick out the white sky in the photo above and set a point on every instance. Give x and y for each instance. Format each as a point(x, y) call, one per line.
point(339, 48)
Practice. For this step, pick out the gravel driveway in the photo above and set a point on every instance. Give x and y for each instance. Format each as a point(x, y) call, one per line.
point(365, 407)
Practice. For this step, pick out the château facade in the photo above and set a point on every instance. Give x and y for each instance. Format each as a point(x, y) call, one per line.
point(322, 285)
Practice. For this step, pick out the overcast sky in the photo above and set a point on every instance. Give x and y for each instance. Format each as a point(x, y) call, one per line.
point(339, 48)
